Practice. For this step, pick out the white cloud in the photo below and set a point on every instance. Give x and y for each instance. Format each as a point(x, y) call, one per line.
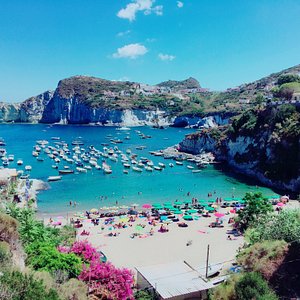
point(123, 33)
point(166, 57)
point(146, 6)
point(131, 51)
point(179, 4)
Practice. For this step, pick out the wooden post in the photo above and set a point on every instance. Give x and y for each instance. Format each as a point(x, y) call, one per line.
point(207, 258)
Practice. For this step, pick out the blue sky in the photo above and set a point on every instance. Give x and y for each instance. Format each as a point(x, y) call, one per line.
point(221, 43)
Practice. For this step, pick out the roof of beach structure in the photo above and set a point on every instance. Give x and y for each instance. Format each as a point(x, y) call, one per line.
point(175, 279)
point(7, 173)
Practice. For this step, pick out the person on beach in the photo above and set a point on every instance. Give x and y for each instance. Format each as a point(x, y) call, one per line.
point(70, 202)
point(50, 221)
point(75, 203)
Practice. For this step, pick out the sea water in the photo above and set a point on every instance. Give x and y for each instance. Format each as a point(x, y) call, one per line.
point(96, 189)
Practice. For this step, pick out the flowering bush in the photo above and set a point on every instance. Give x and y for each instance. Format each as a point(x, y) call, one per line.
point(106, 279)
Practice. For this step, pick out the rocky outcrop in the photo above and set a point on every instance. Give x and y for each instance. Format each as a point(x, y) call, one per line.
point(204, 122)
point(263, 144)
point(9, 112)
point(31, 110)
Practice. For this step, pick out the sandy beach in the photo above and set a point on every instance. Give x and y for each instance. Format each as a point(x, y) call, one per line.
point(125, 251)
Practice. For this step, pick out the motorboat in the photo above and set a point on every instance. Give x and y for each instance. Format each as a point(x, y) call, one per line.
point(126, 165)
point(2, 152)
point(107, 171)
point(196, 171)
point(161, 165)
point(28, 168)
point(81, 170)
point(136, 169)
point(190, 167)
point(11, 157)
point(157, 168)
point(179, 163)
point(171, 165)
point(65, 171)
point(20, 162)
point(149, 169)
point(54, 178)
point(125, 171)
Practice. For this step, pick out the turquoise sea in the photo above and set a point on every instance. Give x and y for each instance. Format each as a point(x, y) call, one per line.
point(125, 189)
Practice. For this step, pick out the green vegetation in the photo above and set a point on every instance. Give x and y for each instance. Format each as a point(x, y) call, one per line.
point(256, 206)
point(248, 286)
point(284, 226)
point(18, 286)
point(45, 256)
point(253, 286)
point(287, 78)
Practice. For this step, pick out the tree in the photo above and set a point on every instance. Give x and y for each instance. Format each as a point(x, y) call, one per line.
point(286, 78)
point(256, 206)
point(253, 286)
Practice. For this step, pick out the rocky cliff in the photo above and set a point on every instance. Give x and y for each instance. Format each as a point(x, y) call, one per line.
point(262, 143)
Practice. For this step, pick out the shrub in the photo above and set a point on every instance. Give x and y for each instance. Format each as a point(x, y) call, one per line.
point(8, 228)
point(44, 256)
point(5, 254)
point(286, 78)
point(85, 251)
point(106, 279)
point(283, 226)
point(20, 286)
point(73, 290)
point(226, 290)
point(264, 257)
point(253, 286)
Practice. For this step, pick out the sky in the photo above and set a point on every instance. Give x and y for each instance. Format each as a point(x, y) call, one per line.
point(220, 43)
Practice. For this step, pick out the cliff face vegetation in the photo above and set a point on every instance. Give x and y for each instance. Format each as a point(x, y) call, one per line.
point(261, 142)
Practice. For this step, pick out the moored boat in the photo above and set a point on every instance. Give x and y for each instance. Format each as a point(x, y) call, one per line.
point(54, 178)
point(65, 171)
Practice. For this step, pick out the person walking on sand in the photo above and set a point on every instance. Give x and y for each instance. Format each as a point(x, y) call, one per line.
point(70, 202)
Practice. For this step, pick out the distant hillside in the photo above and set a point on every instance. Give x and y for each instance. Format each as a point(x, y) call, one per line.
point(190, 83)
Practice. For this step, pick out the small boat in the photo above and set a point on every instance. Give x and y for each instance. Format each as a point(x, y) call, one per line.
point(2, 142)
point(125, 171)
point(190, 167)
point(157, 168)
point(35, 153)
point(2, 152)
point(81, 170)
point(39, 159)
point(65, 172)
point(24, 176)
point(149, 169)
point(196, 171)
point(55, 166)
point(28, 168)
point(54, 178)
point(136, 169)
point(123, 128)
point(88, 167)
point(107, 171)
point(5, 163)
point(140, 147)
point(20, 162)
point(179, 163)
point(55, 138)
point(162, 165)
point(97, 167)
point(126, 165)
point(77, 143)
point(171, 165)
point(11, 157)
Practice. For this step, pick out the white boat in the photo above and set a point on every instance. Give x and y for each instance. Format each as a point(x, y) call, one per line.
point(123, 128)
point(88, 167)
point(171, 165)
point(35, 153)
point(28, 168)
point(136, 169)
point(97, 167)
point(20, 162)
point(196, 171)
point(54, 178)
point(190, 167)
point(162, 165)
point(157, 168)
point(2, 152)
point(149, 169)
point(126, 165)
point(11, 157)
point(179, 163)
point(125, 171)
point(107, 171)
point(81, 170)
point(150, 163)
point(55, 166)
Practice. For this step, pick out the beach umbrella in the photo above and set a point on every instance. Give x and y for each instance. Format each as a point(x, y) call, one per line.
point(139, 228)
point(134, 205)
point(178, 203)
point(209, 208)
point(178, 212)
point(168, 204)
point(233, 211)
point(94, 210)
point(219, 215)
point(192, 211)
point(162, 211)
point(163, 218)
point(147, 206)
point(158, 207)
point(173, 209)
point(188, 218)
point(280, 204)
point(187, 202)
